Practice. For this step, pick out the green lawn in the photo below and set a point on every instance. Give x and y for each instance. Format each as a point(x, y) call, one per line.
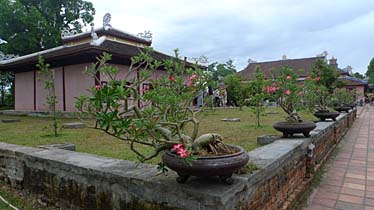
point(31, 131)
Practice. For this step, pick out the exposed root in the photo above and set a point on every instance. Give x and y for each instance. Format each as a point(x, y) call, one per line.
point(294, 117)
point(212, 144)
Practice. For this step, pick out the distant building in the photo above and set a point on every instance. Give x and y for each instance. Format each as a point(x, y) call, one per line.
point(303, 68)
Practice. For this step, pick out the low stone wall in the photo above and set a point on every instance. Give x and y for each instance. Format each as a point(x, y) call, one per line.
point(74, 180)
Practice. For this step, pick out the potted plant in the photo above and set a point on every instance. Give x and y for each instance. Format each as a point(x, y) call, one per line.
point(157, 116)
point(342, 101)
point(319, 88)
point(316, 98)
point(288, 95)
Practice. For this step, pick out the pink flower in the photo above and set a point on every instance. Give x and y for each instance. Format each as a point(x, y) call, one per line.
point(189, 84)
point(182, 152)
point(171, 78)
point(271, 89)
point(177, 146)
point(308, 78)
point(317, 79)
point(287, 92)
point(288, 77)
point(192, 77)
point(300, 93)
point(97, 87)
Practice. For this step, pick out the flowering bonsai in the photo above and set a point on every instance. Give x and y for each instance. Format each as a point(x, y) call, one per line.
point(288, 95)
point(155, 115)
point(319, 87)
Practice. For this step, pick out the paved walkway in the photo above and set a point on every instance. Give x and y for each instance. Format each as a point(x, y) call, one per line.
point(349, 180)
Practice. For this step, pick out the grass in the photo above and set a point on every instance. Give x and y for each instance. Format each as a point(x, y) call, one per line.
point(30, 132)
point(5, 108)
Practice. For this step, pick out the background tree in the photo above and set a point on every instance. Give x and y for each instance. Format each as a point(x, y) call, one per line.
point(233, 88)
point(358, 75)
point(326, 74)
point(33, 25)
point(370, 72)
point(6, 84)
point(221, 69)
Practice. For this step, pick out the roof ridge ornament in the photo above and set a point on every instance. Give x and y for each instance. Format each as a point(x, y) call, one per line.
point(106, 21)
point(251, 61)
point(145, 35)
point(2, 41)
point(323, 54)
point(93, 33)
point(68, 32)
point(4, 57)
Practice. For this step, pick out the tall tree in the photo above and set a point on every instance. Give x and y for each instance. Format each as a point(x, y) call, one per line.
point(221, 69)
point(358, 75)
point(370, 72)
point(33, 25)
point(6, 81)
point(327, 75)
point(233, 87)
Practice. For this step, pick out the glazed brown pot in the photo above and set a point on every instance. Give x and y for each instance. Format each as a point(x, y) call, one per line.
point(288, 129)
point(342, 109)
point(206, 166)
point(352, 105)
point(326, 115)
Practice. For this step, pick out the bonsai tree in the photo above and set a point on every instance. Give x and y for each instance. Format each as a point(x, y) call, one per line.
point(158, 115)
point(342, 98)
point(317, 97)
point(288, 94)
point(320, 85)
point(319, 89)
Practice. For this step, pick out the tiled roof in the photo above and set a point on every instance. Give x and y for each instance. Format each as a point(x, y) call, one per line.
point(353, 81)
point(302, 67)
point(75, 54)
point(67, 55)
point(108, 32)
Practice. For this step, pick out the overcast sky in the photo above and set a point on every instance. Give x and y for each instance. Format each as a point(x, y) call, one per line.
point(261, 30)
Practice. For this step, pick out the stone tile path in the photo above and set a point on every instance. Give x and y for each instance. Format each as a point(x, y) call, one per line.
point(348, 183)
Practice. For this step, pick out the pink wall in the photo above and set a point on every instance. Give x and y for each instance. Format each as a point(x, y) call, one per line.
point(41, 93)
point(24, 88)
point(360, 91)
point(76, 83)
point(124, 71)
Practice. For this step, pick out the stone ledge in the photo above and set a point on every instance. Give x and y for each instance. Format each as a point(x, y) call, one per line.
point(124, 184)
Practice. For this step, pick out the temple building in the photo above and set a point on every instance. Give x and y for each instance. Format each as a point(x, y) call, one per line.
point(69, 62)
